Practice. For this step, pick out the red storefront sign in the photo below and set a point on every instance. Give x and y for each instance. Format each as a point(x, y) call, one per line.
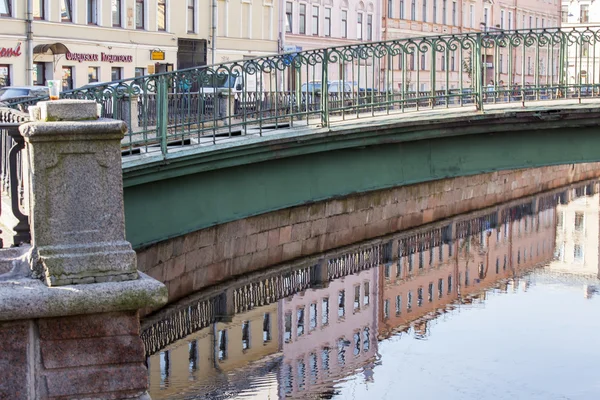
point(110, 58)
point(8, 52)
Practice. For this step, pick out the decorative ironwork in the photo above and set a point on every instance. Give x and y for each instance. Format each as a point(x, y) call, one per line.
point(204, 105)
point(476, 225)
point(356, 261)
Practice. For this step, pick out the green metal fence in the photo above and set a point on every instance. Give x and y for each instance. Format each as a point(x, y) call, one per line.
point(210, 104)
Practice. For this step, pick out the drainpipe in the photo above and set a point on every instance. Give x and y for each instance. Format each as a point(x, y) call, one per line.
point(29, 59)
point(213, 33)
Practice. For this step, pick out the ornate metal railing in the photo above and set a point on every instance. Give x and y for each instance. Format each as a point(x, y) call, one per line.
point(205, 105)
point(12, 173)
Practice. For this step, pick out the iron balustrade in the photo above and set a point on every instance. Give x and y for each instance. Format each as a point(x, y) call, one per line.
point(208, 104)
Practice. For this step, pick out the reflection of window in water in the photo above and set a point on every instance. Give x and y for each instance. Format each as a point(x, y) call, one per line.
point(341, 303)
point(356, 297)
point(287, 379)
point(193, 355)
point(325, 358)
point(419, 297)
point(579, 221)
point(366, 298)
point(165, 368)
point(325, 311)
point(245, 335)
point(519, 257)
point(481, 271)
point(301, 374)
point(467, 277)
point(441, 253)
point(449, 284)
point(578, 253)
point(366, 340)
point(222, 335)
point(409, 301)
point(341, 351)
point(267, 327)
point(398, 304)
point(386, 309)
point(430, 292)
point(421, 260)
point(356, 343)
point(287, 336)
point(312, 316)
point(431, 255)
point(504, 265)
point(300, 321)
point(387, 271)
point(449, 249)
point(440, 288)
point(312, 364)
point(560, 220)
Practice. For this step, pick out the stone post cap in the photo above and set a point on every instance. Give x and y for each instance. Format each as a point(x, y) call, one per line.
point(60, 120)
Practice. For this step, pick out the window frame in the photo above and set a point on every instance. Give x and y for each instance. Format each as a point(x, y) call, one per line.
point(191, 8)
point(9, 8)
point(118, 11)
point(289, 15)
point(344, 26)
point(315, 20)
point(42, 10)
point(327, 27)
point(68, 6)
point(97, 71)
point(359, 26)
point(302, 19)
point(163, 4)
point(92, 12)
point(369, 27)
point(140, 23)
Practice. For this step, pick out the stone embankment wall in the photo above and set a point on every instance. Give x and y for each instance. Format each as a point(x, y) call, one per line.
point(208, 256)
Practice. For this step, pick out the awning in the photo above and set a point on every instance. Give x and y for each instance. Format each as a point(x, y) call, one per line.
point(55, 48)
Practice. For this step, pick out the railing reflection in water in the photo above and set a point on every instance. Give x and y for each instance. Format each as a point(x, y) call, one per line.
point(313, 337)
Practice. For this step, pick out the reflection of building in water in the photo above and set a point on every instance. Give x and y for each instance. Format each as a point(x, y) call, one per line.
point(577, 223)
point(205, 357)
point(328, 333)
point(437, 266)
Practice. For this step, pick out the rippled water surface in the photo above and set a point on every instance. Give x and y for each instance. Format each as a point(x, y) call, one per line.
point(500, 304)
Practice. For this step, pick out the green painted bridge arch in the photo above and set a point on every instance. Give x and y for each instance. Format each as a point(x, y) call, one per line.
point(195, 188)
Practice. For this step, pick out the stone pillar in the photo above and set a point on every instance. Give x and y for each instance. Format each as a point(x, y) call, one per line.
point(69, 325)
point(226, 101)
point(130, 112)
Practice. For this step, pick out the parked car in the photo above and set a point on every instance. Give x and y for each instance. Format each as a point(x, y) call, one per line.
point(14, 93)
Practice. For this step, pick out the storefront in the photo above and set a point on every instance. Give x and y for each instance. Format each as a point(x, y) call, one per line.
point(11, 60)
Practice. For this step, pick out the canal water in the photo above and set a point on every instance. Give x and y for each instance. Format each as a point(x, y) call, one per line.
point(502, 303)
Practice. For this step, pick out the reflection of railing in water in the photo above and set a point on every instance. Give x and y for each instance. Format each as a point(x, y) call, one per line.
point(357, 261)
point(476, 225)
point(269, 290)
point(180, 324)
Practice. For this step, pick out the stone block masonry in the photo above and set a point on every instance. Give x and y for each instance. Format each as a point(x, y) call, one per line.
point(209, 256)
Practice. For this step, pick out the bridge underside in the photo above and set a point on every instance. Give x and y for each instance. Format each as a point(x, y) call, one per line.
point(193, 190)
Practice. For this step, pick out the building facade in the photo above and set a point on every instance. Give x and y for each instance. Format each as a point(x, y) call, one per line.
point(583, 60)
point(86, 41)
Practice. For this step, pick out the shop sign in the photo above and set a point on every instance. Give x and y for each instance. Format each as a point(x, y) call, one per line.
point(110, 58)
point(8, 52)
point(157, 55)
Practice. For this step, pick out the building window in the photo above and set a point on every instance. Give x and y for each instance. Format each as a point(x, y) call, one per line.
point(312, 317)
point(116, 13)
point(38, 74)
point(344, 23)
point(139, 71)
point(471, 16)
point(191, 16)
point(449, 284)
point(422, 69)
point(366, 295)
point(116, 73)
point(162, 15)
point(302, 20)
point(356, 298)
point(359, 26)
point(424, 10)
point(5, 8)
point(440, 288)
point(510, 21)
point(419, 297)
point(288, 17)
point(444, 13)
point(390, 10)
point(413, 10)
point(370, 27)
point(93, 73)
point(315, 20)
point(65, 11)
point(578, 253)
point(452, 68)
point(430, 292)
point(435, 11)
point(584, 13)
point(565, 13)
point(530, 22)
point(300, 322)
point(287, 329)
point(222, 344)
point(401, 9)
point(4, 74)
point(443, 69)
point(386, 309)
point(39, 8)
point(140, 13)
point(67, 78)
point(92, 12)
point(486, 19)
point(327, 22)
point(409, 301)
point(454, 13)
point(501, 62)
